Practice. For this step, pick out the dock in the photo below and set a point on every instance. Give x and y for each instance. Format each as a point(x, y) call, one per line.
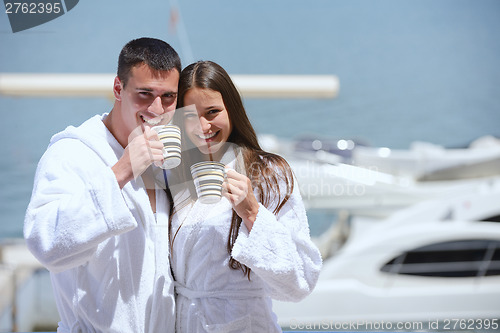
point(27, 303)
point(100, 85)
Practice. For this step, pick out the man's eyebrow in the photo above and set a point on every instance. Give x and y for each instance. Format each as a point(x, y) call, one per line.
point(172, 92)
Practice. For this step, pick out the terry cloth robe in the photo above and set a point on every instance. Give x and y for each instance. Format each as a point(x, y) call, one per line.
point(210, 296)
point(106, 253)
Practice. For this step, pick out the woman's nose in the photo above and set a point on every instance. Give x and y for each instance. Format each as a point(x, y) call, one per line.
point(205, 124)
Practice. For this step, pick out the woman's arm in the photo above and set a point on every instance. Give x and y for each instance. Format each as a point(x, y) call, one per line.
point(279, 250)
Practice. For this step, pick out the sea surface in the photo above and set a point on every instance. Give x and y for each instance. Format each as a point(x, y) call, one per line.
point(424, 70)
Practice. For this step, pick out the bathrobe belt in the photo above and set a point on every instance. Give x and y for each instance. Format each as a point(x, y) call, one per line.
point(223, 294)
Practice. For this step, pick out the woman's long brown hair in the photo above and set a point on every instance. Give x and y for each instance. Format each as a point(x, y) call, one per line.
point(265, 170)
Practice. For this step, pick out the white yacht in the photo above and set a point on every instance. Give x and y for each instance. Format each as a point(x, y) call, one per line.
point(436, 261)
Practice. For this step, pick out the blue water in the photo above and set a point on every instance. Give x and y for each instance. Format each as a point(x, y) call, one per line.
point(409, 70)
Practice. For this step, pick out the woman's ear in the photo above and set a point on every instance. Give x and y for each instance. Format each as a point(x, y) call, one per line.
point(117, 88)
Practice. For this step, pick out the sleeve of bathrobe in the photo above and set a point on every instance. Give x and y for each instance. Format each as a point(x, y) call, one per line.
point(75, 205)
point(279, 250)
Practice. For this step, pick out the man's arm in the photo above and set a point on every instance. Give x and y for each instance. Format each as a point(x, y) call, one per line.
point(75, 205)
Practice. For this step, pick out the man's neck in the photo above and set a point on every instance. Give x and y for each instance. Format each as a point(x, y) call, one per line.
point(111, 122)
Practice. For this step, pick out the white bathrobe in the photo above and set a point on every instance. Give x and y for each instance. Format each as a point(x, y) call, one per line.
point(106, 252)
point(211, 297)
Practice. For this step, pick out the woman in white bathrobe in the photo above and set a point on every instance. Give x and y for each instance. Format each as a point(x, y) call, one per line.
point(230, 258)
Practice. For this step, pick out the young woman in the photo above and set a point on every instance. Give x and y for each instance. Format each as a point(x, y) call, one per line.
point(231, 257)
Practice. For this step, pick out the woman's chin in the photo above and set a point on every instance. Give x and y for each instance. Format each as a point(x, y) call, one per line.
point(210, 149)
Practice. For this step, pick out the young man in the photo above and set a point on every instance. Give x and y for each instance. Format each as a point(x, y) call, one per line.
point(96, 219)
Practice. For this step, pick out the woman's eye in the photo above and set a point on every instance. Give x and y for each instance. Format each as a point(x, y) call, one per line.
point(213, 111)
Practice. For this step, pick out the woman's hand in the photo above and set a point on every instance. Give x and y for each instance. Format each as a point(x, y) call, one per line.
point(237, 188)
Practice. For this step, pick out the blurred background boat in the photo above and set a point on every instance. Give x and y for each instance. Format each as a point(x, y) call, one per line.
point(377, 181)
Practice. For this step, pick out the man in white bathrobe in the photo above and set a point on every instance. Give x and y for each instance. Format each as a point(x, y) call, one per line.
point(97, 219)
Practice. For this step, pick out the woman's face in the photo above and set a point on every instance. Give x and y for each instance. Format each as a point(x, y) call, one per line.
point(206, 119)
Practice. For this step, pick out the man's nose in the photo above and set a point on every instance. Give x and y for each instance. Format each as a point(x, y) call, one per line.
point(157, 107)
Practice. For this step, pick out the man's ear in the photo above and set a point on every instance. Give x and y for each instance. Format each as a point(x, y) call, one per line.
point(117, 88)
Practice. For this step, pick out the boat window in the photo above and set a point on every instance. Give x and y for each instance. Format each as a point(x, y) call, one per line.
point(495, 218)
point(465, 258)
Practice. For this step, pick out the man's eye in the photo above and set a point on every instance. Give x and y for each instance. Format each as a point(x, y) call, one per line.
point(168, 98)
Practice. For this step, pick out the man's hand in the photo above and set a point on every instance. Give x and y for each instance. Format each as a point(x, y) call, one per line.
point(143, 149)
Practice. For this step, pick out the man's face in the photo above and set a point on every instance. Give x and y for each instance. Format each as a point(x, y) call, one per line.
point(147, 98)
